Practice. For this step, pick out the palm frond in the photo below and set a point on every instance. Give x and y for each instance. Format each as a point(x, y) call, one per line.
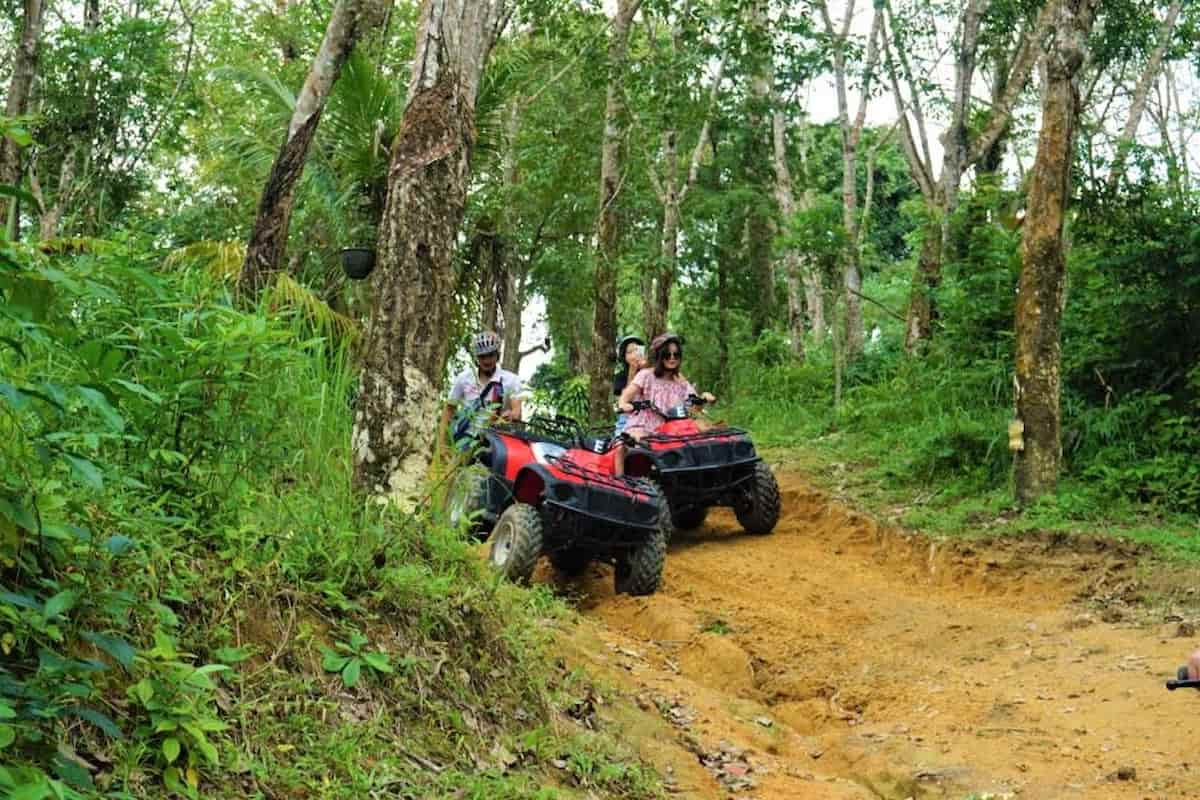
point(288, 293)
point(222, 260)
point(262, 83)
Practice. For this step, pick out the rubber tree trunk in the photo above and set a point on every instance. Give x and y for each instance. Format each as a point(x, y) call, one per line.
point(759, 161)
point(609, 222)
point(24, 70)
point(268, 239)
point(658, 279)
point(1040, 292)
point(785, 197)
point(405, 351)
point(511, 266)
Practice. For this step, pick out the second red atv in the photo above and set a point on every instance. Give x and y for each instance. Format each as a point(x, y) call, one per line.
point(698, 469)
point(539, 493)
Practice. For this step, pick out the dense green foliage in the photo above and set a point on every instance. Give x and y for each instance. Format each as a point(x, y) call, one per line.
point(192, 598)
point(186, 566)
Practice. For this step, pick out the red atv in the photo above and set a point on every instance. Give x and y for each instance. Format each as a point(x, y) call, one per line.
point(697, 469)
point(537, 491)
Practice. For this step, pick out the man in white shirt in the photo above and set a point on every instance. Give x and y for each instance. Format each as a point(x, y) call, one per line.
point(480, 392)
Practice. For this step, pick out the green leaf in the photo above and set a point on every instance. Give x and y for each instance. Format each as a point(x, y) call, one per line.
point(18, 514)
point(138, 389)
point(378, 662)
point(118, 545)
point(58, 604)
point(332, 662)
point(16, 399)
point(22, 195)
point(115, 646)
point(143, 690)
point(101, 721)
point(8, 735)
point(96, 401)
point(351, 672)
point(231, 655)
point(85, 471)
point(171, 780)
point(7, 711)
point(171, 748)
point(38, 790)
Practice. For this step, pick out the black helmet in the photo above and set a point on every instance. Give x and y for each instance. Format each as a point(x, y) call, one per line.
point(624, 343)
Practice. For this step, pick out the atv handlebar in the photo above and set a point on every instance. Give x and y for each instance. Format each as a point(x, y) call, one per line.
point(646, 405)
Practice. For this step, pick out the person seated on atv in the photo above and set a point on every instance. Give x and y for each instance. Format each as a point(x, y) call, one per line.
point(480, 393)
point(630, 359)
point(662, 384)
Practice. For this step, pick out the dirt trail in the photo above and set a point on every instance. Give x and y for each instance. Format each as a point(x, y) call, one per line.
point(839, 659)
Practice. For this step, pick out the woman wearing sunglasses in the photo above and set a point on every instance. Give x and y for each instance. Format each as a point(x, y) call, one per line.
point(661, 383)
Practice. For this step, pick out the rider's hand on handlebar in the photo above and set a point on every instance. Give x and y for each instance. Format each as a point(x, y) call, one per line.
point(708, 398)
point(626, 407)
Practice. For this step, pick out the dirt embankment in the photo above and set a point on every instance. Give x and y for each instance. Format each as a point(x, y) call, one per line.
point(839, 659)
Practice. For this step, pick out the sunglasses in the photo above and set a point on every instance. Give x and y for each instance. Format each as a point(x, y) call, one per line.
point(673, 354)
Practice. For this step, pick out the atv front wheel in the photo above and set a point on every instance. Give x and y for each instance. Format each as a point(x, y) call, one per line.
point(517, 542)
point(639, 571)
point(466, 498)
point(758, 508)
point(690, 518)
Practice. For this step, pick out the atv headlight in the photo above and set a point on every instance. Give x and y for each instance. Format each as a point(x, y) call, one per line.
point(562, 492)
point(545, 452)
point(671, 458)
point(743, 450)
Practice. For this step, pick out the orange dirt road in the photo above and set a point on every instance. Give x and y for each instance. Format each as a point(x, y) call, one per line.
point(838, 658)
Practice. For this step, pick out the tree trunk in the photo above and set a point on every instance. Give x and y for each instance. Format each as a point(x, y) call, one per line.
point(922, 310)
point(268, 240)
point(24, 70)
point(851, 136)
point(1137, 105)
point(1040, 292)
point(658, 279)
point(405, 350)
point(758, 151)
point(609, 223)
point(785, 198)
point(513, 268)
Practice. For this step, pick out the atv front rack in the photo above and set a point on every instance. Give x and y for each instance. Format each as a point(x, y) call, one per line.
point(553, 430)
point(622, 483)
point(693, 438)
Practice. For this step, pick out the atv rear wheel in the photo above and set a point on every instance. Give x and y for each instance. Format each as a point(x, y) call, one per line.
point(758, 508)
point(466, 498)
point(690, 518)
point(517, 542)
point(639, 571)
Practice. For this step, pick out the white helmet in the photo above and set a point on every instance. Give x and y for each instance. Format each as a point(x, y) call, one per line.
point(485, 342)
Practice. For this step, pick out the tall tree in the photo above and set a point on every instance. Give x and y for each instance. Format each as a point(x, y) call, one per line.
point(406, 343)
point(658, 279)
point(24, 70)
point(348, 22)
point(1137, 105)
point(609, 222)
point(962, 148)
point(851, 131)
point(1040, 292)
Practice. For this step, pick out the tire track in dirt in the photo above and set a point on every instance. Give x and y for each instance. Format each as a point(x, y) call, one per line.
point(840, 659)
